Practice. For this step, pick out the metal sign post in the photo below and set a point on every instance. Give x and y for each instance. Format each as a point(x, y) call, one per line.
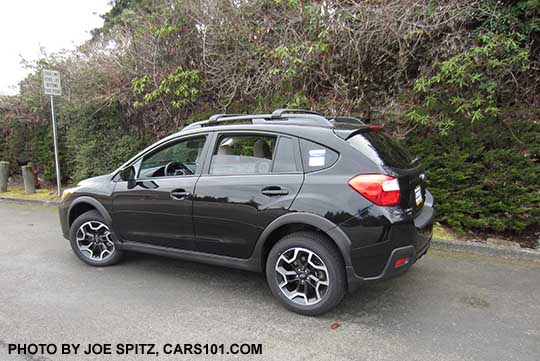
point(52, 87)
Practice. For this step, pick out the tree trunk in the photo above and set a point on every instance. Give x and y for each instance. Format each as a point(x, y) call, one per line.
point(4, 175)
point(28, 177)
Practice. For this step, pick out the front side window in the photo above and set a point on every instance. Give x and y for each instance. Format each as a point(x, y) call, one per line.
point(243, 154)
point(180, 158)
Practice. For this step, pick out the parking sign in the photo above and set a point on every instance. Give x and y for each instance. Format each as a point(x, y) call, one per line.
point(51, 82)
point(52, 88)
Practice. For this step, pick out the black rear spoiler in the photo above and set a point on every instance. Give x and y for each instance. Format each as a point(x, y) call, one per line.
point(346, 132)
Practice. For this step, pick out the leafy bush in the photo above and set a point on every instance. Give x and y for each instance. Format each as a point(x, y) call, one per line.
point(98, 141)
point(42, 152)
point(14, 143)
point(180, 89)
point(484, 177)
point(471, 85)
point(26, 142)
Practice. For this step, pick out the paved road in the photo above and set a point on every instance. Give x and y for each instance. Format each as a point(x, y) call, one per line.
point(448, 307)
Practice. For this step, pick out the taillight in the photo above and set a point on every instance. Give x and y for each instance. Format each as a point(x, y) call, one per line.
point(381, 189)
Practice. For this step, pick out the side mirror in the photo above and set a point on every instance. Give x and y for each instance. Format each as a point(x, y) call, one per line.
point(127, 174)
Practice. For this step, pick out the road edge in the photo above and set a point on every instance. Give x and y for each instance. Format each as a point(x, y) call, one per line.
point(486, 249)
point(42, 202)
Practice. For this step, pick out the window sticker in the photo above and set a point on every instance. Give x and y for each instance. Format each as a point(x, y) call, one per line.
point(317, 157)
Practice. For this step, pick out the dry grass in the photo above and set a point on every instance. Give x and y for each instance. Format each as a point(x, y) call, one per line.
point(443, 233)
point(41, 194)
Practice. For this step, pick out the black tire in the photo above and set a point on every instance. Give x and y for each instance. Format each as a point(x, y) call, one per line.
point(324, 249)
point(93, 216)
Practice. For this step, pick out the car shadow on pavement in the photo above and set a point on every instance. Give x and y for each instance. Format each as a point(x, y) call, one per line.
point(170, 263)
point(370, 304)
point(205, 274)
point(394, 303)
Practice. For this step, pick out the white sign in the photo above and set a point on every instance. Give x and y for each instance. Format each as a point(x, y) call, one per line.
point(51, 82)
point(317, 157)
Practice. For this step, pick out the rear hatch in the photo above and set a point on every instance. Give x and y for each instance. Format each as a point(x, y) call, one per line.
point(372, 142)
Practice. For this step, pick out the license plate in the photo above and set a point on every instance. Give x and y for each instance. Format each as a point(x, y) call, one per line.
point(418, 195)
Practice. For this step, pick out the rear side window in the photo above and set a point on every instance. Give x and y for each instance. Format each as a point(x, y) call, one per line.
point(286, 155)
point(315, 156)
point(382, 149)
point(243, 154)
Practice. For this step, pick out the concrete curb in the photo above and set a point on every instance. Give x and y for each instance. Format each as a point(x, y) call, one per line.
point(486, 249)
point(30, 201)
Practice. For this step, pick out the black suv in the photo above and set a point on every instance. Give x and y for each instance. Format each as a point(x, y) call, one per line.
point(320, 204)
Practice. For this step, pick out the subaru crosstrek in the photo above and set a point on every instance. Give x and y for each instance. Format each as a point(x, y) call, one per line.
point(321, 205)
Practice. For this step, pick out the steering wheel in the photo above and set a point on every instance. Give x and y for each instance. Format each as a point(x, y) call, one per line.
point(172, 167)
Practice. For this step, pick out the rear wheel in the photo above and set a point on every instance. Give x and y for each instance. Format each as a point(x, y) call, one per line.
point(306, 273)
point(92, 240)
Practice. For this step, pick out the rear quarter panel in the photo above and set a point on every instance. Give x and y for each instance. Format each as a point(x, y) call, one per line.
point(327, 193)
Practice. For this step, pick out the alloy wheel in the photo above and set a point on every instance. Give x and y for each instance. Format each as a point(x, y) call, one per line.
point(302, 276)
point(94, 241)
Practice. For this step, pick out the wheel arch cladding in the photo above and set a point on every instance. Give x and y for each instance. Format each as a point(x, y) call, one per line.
point(84, 204)
point(295, 222)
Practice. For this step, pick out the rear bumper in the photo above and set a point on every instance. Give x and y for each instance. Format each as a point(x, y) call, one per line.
point(390, 270)
point(376, 262)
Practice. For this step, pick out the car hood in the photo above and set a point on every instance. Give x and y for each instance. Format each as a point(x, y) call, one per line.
point(94, 180)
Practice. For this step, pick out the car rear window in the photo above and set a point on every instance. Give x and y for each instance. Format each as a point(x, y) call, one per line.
point(382, 149)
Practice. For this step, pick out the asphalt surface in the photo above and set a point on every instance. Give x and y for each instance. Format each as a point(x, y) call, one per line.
point(448, 307)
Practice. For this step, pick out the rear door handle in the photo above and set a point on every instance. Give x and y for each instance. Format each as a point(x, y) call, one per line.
point(274, 191)
point(179, 194)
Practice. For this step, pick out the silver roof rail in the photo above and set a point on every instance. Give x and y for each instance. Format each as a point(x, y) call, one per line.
point(278, 113)
point(216, 117)
point(289, 116)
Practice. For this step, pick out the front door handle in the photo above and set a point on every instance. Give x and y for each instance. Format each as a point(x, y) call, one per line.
point(179, 194)
point(274, 191)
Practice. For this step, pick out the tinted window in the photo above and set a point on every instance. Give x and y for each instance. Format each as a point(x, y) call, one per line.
point(186, 153)
point(286, 153)
point(382, 149)
point(243, 154)
point(316, 156)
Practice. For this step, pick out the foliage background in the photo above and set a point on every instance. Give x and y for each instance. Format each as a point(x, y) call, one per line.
point(458, 81)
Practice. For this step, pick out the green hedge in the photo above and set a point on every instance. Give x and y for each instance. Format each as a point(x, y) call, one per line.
point(484, 176)
point(98, 140)
point(93, 140)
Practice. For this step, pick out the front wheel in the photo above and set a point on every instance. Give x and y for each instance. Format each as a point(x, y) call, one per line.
point(306, 273)
point(92, 240)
